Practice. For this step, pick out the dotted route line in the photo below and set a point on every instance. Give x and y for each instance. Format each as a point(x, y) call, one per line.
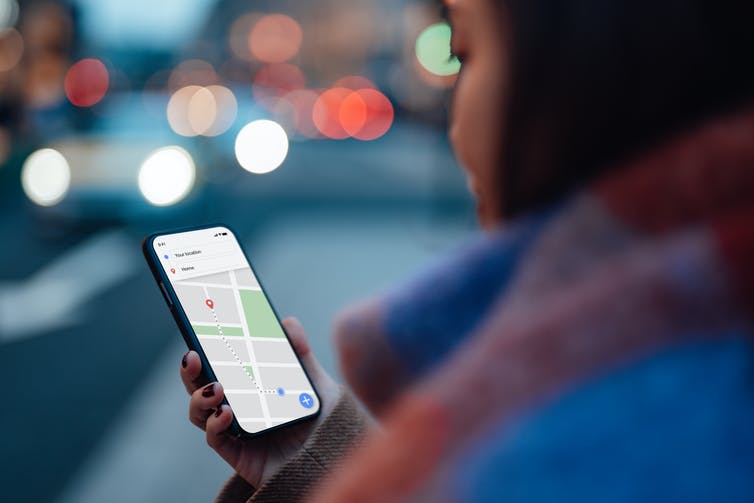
point(238, 359)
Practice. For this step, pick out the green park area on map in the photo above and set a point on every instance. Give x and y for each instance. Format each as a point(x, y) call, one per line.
point(259, 315)
point(212, 330)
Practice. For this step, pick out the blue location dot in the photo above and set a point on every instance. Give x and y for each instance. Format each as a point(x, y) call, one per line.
point(306, 400)
point(166, 256)
point(281, 391)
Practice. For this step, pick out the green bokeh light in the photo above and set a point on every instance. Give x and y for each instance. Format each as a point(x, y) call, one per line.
point(433, 50)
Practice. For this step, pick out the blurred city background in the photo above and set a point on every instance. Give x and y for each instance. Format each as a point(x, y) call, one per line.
point(316, 129)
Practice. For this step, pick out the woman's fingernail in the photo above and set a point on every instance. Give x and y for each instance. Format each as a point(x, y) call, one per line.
point(219, 411)
point(184, 360)
point(209, 390)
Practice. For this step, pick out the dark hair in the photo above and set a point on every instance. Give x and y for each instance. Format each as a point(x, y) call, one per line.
point(594, 81)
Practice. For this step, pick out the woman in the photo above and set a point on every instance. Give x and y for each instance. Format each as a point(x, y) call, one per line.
point(596, 344)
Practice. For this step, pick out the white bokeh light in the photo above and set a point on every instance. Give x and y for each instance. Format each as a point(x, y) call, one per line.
point(167, 176)
point(261, 146)
point(46, 177)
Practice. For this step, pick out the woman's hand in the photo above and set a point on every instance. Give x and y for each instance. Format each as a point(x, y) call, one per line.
point(257, 459)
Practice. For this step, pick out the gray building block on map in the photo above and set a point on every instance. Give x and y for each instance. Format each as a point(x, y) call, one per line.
point(192, 299)
point(245, 405)
point(233, 377)
point(274, 351)
point(283, 377)
point(217, 351)
point(244, 277)
point(225, 305)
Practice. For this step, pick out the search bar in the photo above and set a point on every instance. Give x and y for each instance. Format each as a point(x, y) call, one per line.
point(202, 252)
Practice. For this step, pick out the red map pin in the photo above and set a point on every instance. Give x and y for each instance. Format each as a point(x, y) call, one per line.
point(172, 270)
point(209, 303)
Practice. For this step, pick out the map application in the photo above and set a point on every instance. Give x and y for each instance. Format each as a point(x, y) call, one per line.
point(236, 327)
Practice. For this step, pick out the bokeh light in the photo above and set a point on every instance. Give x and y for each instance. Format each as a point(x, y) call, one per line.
point(379, 115)
point(275, 38)
point(195, 72)
point(8, 13)
point(197, 110)
point(238, 37)
point(364, 114)
point(352, 113)
point(201, 111)
point(326, 113)
point(86, 82)
point(11, 48)
point(275, 80)
point(294, 110)
point(44, 76)
point(226, 107)
point(433, 50)
point(46, 177)
point(167, 175)
point(179, 109)
point(284, 113)
point(261, 146)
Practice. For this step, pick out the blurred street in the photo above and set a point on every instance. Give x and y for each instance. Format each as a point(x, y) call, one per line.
point(87, 333)
point(89, 354)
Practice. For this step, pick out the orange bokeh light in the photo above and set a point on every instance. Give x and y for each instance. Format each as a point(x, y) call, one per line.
point(86, 82)
point(275, 38)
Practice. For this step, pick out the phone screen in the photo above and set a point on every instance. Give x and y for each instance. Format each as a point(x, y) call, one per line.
point(236, 327)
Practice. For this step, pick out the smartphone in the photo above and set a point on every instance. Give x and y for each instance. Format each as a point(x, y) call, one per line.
point(225, 316)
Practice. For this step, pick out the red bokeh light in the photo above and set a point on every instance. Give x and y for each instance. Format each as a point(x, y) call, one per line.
point(364, 114)
point(326, 113)
point(86, 82)
point(353, 113)
point(379, 115)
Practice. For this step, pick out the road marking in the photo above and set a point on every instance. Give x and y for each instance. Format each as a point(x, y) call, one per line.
point(57, 295)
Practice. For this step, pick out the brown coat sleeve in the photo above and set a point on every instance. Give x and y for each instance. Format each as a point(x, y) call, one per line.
point(324, 449)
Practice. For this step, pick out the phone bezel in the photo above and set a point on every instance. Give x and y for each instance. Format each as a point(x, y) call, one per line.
point(189, 336)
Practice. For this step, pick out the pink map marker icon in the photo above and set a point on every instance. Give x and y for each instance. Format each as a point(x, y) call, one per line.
point(209, 303)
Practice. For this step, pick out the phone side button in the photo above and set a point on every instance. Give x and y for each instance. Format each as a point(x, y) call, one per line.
point(165, 294)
